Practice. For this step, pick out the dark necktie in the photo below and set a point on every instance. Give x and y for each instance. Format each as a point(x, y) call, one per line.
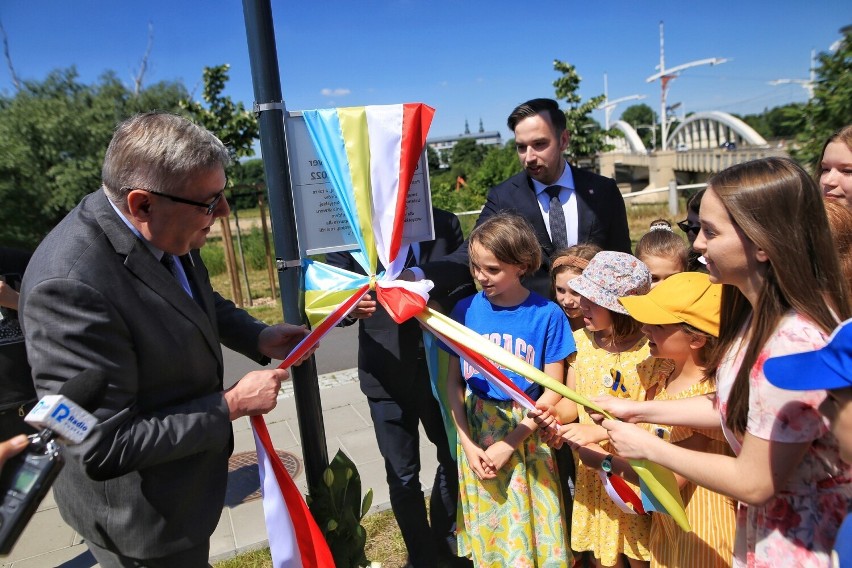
point(556, 219)
point(168, 261)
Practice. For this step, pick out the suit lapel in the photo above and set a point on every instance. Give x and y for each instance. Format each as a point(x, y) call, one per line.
point(144, 266)
point(585, 214)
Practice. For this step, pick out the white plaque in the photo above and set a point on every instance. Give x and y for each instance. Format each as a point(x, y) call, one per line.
point(321, 223)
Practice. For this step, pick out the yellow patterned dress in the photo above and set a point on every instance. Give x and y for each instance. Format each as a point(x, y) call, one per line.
point(516, 519)
point(712, 516)
point(597, 524)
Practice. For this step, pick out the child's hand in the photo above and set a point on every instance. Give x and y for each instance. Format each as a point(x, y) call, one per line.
point(549, 428)
point(629, 440)
point(622, 408)
point(479, 461)
point(500, 453)
point(579, 435)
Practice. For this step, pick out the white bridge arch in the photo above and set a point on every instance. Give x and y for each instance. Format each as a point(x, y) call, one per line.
point(700, 131)
point(711, 129)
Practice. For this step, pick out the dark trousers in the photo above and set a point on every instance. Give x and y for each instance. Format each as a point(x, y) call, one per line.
point(396, 427)
point(192, 558)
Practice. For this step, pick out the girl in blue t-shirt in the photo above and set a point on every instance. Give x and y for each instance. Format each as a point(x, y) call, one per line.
point(509, 494)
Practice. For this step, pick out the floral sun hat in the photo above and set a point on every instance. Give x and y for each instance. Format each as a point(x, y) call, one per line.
point(611, 275)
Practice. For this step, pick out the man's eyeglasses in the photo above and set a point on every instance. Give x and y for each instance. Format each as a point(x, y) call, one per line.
point(210, 207)
point(687, 228)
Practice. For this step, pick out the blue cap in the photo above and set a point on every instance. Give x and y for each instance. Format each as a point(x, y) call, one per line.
point(827, 368)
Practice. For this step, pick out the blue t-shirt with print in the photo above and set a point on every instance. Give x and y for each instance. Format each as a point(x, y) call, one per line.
point(535, 330)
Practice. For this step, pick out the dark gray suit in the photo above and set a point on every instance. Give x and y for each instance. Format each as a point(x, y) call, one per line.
point(150, 481)
point(394, 376)
point(601, 216)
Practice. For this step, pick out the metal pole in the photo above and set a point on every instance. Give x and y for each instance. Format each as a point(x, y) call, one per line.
point(269, 105)
point(673, 198)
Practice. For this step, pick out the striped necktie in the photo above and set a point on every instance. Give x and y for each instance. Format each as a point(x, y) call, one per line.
point(556, 219)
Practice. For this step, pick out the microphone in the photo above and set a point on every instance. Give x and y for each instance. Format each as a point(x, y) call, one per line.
point(26, 478)
point(65, 414)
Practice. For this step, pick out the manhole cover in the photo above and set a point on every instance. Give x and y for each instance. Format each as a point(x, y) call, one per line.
point(244, 480)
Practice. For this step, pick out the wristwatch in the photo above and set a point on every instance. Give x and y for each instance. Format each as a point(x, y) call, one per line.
point(606, 465)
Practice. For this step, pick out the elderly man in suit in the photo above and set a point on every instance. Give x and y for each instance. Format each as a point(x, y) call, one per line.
point(394, 377)
point(119, 286)
point(565, 205)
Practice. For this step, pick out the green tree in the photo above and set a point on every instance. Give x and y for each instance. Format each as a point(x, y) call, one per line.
point(831, 106)
point(467, 156)
point(236, 127)
point(53, 135)
point(587, 137)
point(433, 159)
point(642, 115)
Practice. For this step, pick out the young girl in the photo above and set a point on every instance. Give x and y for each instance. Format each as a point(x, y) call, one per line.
point(567, 265)
point(834, 172)
point(611, 341)
point(680, 317)
point(662, 251)
point(508, 488)
point(765, 237)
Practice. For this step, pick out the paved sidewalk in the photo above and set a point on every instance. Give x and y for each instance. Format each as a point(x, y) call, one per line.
point(48, 542)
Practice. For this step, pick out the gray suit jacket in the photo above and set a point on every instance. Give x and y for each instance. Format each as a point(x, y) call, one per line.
point(150, 481)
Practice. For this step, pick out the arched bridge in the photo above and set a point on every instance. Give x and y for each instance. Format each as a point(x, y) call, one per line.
point(705, 143)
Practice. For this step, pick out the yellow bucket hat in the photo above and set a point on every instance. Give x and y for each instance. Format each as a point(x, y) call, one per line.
point(686, 297)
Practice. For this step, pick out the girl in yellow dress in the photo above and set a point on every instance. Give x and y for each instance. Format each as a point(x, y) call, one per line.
point(681, 321)
point(612, 358)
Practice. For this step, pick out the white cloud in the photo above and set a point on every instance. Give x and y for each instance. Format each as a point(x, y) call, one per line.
point(335, 92)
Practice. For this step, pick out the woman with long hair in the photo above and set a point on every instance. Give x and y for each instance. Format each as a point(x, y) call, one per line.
point(765, 238)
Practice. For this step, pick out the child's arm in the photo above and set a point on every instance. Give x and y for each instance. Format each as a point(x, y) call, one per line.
point(501, 450)
point(593, 455)
point(566, 409)
point(476, 456)
point(578, 435)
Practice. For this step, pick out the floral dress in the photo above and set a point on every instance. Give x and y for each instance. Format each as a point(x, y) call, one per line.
point(798, 525)
point(711, 515)
point(597, 524)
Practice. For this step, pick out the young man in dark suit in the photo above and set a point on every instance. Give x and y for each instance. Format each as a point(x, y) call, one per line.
point(590, 207)
point(119, 287)
point(394, 377)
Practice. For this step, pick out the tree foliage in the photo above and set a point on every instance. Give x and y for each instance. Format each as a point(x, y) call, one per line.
point(778, 122)
point(642, 115)
point(831, 106)
point(53, 135)
point(236, 127)
point(587, 137)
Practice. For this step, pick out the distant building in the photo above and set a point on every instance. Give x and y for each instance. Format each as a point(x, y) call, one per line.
point(443, 145)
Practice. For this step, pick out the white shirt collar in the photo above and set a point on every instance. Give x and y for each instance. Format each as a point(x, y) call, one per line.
point(566, 180)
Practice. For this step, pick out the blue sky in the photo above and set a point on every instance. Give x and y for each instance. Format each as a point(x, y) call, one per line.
point(468, 59)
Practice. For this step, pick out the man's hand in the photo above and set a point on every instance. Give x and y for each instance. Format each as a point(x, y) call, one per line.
point(12, 447)
point(8, 295)
point(255, 393)
point(365, 307)
point(276, 341)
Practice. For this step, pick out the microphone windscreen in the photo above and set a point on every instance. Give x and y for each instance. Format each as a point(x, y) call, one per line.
point(86, 388)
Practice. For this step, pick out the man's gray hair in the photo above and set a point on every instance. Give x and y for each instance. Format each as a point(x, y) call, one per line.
point(158, 151)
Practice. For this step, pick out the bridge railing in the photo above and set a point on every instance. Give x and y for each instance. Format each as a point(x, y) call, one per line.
point(672, 189)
